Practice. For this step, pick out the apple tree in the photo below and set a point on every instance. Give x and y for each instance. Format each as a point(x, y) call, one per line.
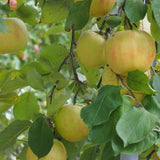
point(79, 79)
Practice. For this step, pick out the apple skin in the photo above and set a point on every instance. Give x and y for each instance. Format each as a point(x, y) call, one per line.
point(130, 50)
point(109, 78)
point(16, 38)
point(101, 7)
point(70, 125)
point(90, 50)
point(57, 152)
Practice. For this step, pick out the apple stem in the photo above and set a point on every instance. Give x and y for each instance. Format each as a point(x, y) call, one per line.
point(125, 85)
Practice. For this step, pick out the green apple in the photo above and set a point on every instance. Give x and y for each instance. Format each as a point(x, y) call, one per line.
point(16, 38)
point(69, 123)
point(101, 7)
point(130, 50)
point(90, 50)
point(57, 152)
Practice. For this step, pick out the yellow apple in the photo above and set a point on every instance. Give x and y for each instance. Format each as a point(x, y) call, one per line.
point(101, 7)
point(16, 38)
point(69, 123)
point(129, 50)
point(90, 50)
point(57, 152)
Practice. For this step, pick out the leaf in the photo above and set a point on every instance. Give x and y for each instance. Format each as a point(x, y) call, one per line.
point(33, 78)
point(151, 104)
point(108, 153)
point(9, 135)
point(4, 8)
point(138, 81)
point(40, 137)
point(114, 21)
point(98, 112)
point(73, 149)
point(3, 27)
point(9, 98)
point(27, 108)
point(56, 78)
point(29, 14)
point(58, 100)
point(135, 10)
point(89, 154)
point(78, 15)
point(96, 133)
point(54, 11)
point(156, 81)
point(92, 75)
point(13, 80)
point(4, 107)
point(134, 125)
point(55, 54)
point(156, 11)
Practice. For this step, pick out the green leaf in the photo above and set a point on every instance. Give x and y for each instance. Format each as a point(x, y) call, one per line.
point(59, 98)
point(3, 27)
point(99, 111)
point(78, 15)
point(108, 153)
point(54, 11)
point(55, 54)
point(135, 10)
point(33, 78)
point(155, 29)
point(156, 81)
point(29, 14)
point(89, 153)
point(27, 108)
point(151, 104)
point(9, 98)
point(9, 135)
point(40, 137)
point(96, 133)
point(4, 8)
point(55, 29)
point(4, 107)
point(92, 75)
point(156, 10)
point(135, 124)
point(56, 78)
point(145, 144)
point(12, 81)
point(138, 81)
point(73, 148)
point(114, 21)
point(22, 155)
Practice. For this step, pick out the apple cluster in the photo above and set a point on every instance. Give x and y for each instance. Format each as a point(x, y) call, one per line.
point(122, 52)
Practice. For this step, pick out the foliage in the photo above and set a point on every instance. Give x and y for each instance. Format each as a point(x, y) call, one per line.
point(37, 81)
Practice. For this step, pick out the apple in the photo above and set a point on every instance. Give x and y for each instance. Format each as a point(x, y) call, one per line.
point(16, 38)
point(90, 50)
point(109, 78)
point(57, 152)
point(130, 50)
point(101, 7)
point(69, 123)
point(13, 4)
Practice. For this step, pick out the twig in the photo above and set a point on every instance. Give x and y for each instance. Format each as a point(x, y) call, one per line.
point(8, 2)
point(132, 94)
point(75, 96)
point(99, 83)
point(49, 123)
point(51, 94)
point(22, 140)
point(150, 154)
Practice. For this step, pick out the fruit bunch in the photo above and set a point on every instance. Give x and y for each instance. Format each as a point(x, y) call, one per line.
point(122, 52)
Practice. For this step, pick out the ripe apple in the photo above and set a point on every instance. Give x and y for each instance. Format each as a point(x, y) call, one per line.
point(57, 152)
point(13, 4)
point(101, 7)
point(16, 38)
point(69, 123)
point(109, 78)
point(90, 50)
point(129, 50)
